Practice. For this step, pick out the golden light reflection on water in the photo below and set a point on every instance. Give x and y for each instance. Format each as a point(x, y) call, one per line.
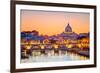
point(51, 56)
point(72, 56)
point(62, 55)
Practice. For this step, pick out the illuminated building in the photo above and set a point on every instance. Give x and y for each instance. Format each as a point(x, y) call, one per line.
point(68, 33)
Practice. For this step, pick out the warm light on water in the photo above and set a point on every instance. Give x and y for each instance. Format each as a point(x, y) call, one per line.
point(53, 57)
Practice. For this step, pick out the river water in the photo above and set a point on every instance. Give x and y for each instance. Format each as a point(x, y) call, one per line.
point(65, 56)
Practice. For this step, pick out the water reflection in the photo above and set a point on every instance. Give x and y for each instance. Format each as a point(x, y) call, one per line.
point(51, 56)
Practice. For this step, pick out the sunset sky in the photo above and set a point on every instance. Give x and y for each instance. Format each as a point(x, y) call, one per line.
point(52, 23)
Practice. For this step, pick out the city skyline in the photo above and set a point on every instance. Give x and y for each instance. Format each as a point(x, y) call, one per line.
point(53, 23)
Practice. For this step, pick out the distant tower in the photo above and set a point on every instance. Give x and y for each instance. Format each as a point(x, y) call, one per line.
point(68, 28)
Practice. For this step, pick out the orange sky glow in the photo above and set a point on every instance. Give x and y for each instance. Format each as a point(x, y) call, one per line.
point(52, 23)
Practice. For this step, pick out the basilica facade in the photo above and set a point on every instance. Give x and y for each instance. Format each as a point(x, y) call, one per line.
point(68, 33)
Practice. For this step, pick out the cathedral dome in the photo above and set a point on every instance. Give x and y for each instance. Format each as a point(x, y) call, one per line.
point(68, 28)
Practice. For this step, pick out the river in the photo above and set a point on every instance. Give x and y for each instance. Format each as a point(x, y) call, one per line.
point(54, 57)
